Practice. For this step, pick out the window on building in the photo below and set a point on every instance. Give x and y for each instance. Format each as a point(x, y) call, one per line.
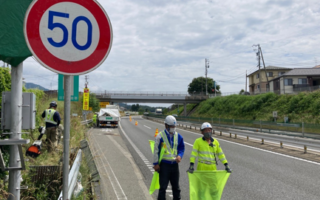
point(288, 81)
point(303, 81)
point(270, 74)
point(257, 75)
point(281, 73)
point(258, 87)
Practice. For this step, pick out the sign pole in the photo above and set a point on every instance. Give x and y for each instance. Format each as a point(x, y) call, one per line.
point(16, 125)
point(66, 137)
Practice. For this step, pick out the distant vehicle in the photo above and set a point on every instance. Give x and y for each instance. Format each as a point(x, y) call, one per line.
point(158, 111)
point(146, 113)
point(109, 116)
point(175, 115)
point(127, 114)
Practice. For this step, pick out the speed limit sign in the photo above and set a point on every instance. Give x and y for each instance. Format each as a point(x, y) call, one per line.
point(70, 37)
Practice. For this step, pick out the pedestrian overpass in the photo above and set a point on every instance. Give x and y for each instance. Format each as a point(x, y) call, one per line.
point(151, 97)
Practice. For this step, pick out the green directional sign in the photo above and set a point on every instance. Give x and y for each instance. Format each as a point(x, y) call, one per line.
point(108, 117)
point(74, 88)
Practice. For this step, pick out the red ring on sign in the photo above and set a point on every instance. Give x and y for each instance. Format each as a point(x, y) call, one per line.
point(48, 60)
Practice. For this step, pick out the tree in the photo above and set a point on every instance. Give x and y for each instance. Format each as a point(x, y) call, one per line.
point(198, 86)
point(135, 107)
point(241, 91)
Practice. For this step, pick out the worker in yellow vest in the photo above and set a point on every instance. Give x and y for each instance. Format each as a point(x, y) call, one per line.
point(94, 119)
point(168, 169)
point(206, 149)
point(52, 119)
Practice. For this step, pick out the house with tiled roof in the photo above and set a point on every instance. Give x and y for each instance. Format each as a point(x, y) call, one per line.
point(259, 80)
point(296, 80)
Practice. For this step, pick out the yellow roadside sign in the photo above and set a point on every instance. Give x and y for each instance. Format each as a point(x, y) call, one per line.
point(85, 99)
point(90, 108)
point(104, 104)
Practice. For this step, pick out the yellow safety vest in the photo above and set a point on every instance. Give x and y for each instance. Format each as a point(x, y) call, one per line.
point(49, 116)
point(205, 153)
point(170, 154)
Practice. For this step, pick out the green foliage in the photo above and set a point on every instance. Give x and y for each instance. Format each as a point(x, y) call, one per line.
point(135, 107)
point(5, 81)
point(198, 86)
point(301, 107)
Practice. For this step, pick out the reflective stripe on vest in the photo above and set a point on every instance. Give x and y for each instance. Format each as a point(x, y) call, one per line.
point(49, 116)
point(171, 153)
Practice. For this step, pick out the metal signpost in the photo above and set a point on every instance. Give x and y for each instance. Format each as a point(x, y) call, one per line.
point(69, 37)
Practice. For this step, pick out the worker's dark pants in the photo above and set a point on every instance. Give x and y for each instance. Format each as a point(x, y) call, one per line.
point(169, 172)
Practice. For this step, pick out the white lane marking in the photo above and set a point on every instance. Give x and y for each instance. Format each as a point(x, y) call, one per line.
point(301, 159)
point(123, 195)
point(139, 153)
point(147, 126)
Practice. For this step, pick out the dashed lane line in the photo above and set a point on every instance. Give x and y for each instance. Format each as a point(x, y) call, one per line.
point(145, 160)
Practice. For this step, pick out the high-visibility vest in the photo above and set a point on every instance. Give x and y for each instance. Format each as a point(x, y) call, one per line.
point(49, 116)
point(205, 153)
point(170, 154)
point(94, 118)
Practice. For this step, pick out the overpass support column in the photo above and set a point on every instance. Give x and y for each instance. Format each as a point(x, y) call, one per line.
point(185, 109)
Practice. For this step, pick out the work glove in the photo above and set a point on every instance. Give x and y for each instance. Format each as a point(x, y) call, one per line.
point(191, 168)
point(228, 168)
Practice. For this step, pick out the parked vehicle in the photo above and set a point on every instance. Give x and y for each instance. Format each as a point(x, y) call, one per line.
point(158, 111)
point(109, 116)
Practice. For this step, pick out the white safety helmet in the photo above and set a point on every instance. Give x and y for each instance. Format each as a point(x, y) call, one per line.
point(206, 125)
point(170, 120)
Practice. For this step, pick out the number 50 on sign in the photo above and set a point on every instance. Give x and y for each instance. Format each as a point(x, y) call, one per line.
point(68, 37)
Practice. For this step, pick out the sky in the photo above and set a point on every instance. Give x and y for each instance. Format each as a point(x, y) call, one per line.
point(161, 46)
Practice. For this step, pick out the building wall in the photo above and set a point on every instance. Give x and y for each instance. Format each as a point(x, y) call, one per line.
point(271, 86)
point(253, 78)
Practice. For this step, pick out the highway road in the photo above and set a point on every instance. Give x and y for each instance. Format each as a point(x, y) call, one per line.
point(257, 174)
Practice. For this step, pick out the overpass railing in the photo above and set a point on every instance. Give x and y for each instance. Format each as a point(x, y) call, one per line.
point(147, 93)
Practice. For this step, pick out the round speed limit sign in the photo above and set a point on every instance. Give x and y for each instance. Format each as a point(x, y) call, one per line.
point(70, 37)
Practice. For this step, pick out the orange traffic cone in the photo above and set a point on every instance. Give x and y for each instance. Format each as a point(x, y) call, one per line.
point(156, 133)
point(136, 123)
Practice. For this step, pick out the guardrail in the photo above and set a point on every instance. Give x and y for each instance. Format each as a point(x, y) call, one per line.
point(73, 175)
point(297, 129)
point(263, 136)
point(87, 121)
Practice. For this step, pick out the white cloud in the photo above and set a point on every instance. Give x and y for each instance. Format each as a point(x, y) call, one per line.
point(161, 46)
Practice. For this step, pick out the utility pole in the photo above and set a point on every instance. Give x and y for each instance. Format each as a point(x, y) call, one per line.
point(258, 56)
point(246, 81)
point(206, 72)
point(259, 53)
point(86, 83)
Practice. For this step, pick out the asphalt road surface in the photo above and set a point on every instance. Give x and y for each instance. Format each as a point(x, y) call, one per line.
point(257, 174)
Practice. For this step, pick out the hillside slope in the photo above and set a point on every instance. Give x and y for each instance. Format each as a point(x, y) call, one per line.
point(303, 107)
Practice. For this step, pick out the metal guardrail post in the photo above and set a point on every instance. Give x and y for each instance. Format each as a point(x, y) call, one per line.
point(235, 136)
point(230, 135)
point(303, 129)
point(260, 126)
point(305, 148)
point(281, 144)
point(262, 141)
point(220, 133)
point(247, 138)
